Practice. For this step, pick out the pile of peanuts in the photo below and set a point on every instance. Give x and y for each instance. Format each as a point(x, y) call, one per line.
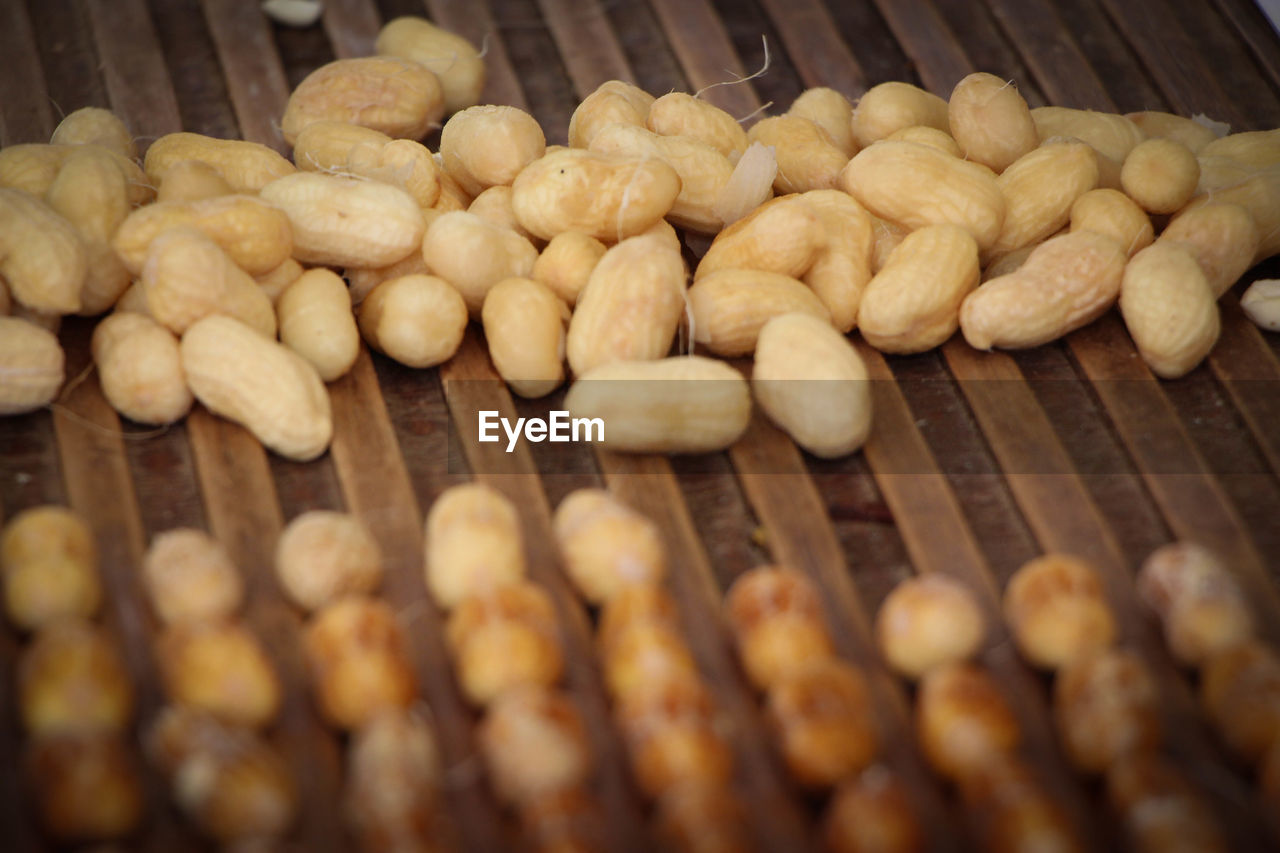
point(906, 216)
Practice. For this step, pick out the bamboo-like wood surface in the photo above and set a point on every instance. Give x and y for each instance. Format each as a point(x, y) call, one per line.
point(978, 461)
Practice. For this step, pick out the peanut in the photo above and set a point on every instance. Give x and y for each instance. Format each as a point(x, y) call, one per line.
point(535, 744)
point(1169, 309)
point(1253, 148)
point(86, 788)
point(1259, 193)
point(928, 621)
point(783, 236)
point(502, 639)
point(612, 101)
point(71, 680)
point(679, 114)
point(913, 303)
point(963, 721)
point(1261, 303)
point(871, 810)
point(190, 578)
point(324, 555)
point(315, 321)
point(393, 779)
point(452, 195)
point(1106, 706)
point(1039, 190)
point(192, 180)
point(524, 324)
point(729, 307)
point(328, 146)
point(808, 159)
point(49, 567)
point(1160, 174)
point(991, 121)
point(889, 107)
point(274, 282)
point(362, 280)
point(931, 136)
point(1113, 136)
point(254, 234)
point(416, 319)
point(1202, 607)
point(842, 266)
point(187, 276)
point(338, 148)
point(356, 653)
point(95, 126)
point(1240, 693)
point(219, 667)
point(246, 166)
point(565, 264)
point(453, 59)
point(607, 545)
point(1057, 612)
point(671, 736)
point(1161, 125)
point(140, 368)
point(631, 306)
point(42, 256)
point(1159, 807)
point(1067, 282)
point(821, 715)
point(682, 404)
point(32, 168)
point(32, 366)
point(473, 544)
point(487, 146)
point(831, 111)
point(810, 381)
point(1114, 214)
point(1223, 238)
point(775, 614)
point(494, 205)
point(91, 193)
point(398, 97)
point(269, 389)
point(473, 255)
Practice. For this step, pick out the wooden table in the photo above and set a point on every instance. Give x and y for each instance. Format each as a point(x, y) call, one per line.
point(978, 462)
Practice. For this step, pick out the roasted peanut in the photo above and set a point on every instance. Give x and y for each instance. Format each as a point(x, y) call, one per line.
point(1114, 214)
point(1160, 174)
point(219, 667)
point(1223, 239)
point(671, 737)
point(473, 255)
point(1261, 303)
point(1105, 707)
point(71, 680)
point(398, 97)
point(872, 812)
point(453, 59)
point(90, 192)
point(782, 236)
point(187, 276)
point(86, 787)
point(928, 621)
point(821, 714)
point(323, 555)
point(1039, 189)
point(829, 110)
point(473, 544)
point(1169, 309)
point(503, 638)
point(776, 617)
point(246, 166)
point(679, 114)
point(643, 653)
point(524, 324)
point(842, 267)
point(534, 743)
point(607, 545)
point(808, 158)
point(32, 366)
point(1203, 609)
point(889, 107)
point(418, 320)
point(1013, 810)
point(140, 368)
point(730, 307)
point(315, 320)
point(1159, 808)
point(190, 578)
point(1161, 125)
point(612, 101)
point(95, 126)
point(254, 234)
point(565, 264)
point(487, 146)
point(698, 818)
point(356, 653)
point(42, 256)
point(991, 121)
point(265, 386)
point(393, 777)
point(962, 720)
point(1055, 608)
point(192, 180)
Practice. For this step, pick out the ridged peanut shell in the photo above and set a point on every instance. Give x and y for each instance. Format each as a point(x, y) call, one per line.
point(140, 368)
point(1222, 237)
point(95, 126)
point(681, 114)
point(1258, 192)
point(612, 101)
point(991, 121)
point(473, 255)
point(1156, 124)
point(829, 110)
point(454, 60)
point(524, 324)
point(842, 267)
point(314, 314)
point(808, 159)
point(488, 145)
point(187, 276)
point(416, 319)
point(32, 366)
point(395, 96)
point(783, 235)
point(1039, 190)
point(1111, 134)
point(91, 192)
point(731, 306)
point(254, 233)
point(1169, 309)
point(888, 107)
point(1111, 212)
point(246, 166)
point(42, 256)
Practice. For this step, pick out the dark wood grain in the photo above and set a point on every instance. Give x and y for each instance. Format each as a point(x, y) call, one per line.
point(588, 45)
point(939, 59)
point(1256, 32)
point(809, 34)
point(133, 67)
point(27, 115)
point(256, 81)
point(698, 39)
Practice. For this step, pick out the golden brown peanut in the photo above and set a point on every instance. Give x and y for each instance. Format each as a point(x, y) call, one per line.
point(140, 368)
point(730, 307)
point(821, 714)
point(362, 280)
point(1114, 214)
point(991, 121)
point(32, 366)
point(1223, 239)
point(680, 114)
point(700, 818)
point(1039, 190)
point(356, 653)
point(565, 819)
point(671, 736)
point(1169, 309)
point(473, 255)
point(810, 381)
point(1161, 125)
point(612, 101)
point(1253, 148)
point(1259, 193)
point(316, 322)
point(782, 236)
point(1203, 609)
point(681, 404)
point(1240, 693)
point(398, 97)
point(703, 171)
point(606, 545)
point(643, 653)
point(534, 743)
point(275, 282)
point(219, 667)
point(1013, 810)
point(246, 166)
point(607, 196)
point(1160, 809)
point(1105, 707)
point(1057, 612)
point(323, 555)
point(1160, 175)
point(1261, 303)
point(42, 257)
point(487, 146)
point(346, 221)
point(504, 638)
point(928, 621)
point(916, 185)
point(889, 107)
point(262, 385)
point(524, 325)
point(842, 267)
point(962, 720)
point(565, 264)
point(494, 205)
point(453, 59)
point(643, 604)
point(86, 787)
point(71, 680)
point(190, 578)
point(226, 778)
point(192, 180)
point(871, 813)
point(47, 532)
point(776, 618)
point(418, 320)
point(1111, 135)
point(393, 776)
point(913, 303)
point(925, 135)
point(95, 126)
point(631, 307)
point(49, 568)
point(1066, 282)
point(831, 111)
point(473, 544)
point(808, 158)
point(187, 276)
point(91, 193)
point(254, 234)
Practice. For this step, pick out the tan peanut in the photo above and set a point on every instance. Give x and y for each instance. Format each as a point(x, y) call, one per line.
point(49, 567)
point(190, 578)
point(246, 166)
point(398, 97)
point(362, 280)
point(345, 221)
point(607, 545)
point(730, 307)
point(914, 185)
point(1067, 282)
point(680, 114)
point(1252, 148)
point(991, 121)
point(473, 255)
point(140, 369)
point(192, 180)
point(808, 158)
point(221, 668)
point(1160, 175)
point(612, 101)
point(329, 146)
point(607, 196)
point(91, 193)
point(1169, 309)
point(524, 324)
point(273, 283)
point(473, 544)
point(1039, 189)
point(1223, 239)
point(487, 146)
point(452, 58)
point(829, 110)
point(1161, 125)
point(187, 276)
point(264, 386)
point(32, 168)
point(889, 107)
point(95, 126)
point(631, 306)
point(565, 264)
point(913, 303)
point(1261, 303)
point(931, 136)
point(494, 205)
point(356, 653)
point(323, 555)
point(315, 319)
point(1113, 136)
point(42, 257)
point(32, 366)
point(842, 266)
point(681, 404)
point(810, 381)
point(1111, 212)
point(1259, 193)
point(783, 236)
point(403, 163)
point(255, 234)
point(416, 319)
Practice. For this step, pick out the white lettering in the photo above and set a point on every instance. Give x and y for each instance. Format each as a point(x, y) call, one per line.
point(559, 425)
point(588, 425)
point(535, 430)
point(512, 434)
point(487, 425)
point(559, 428)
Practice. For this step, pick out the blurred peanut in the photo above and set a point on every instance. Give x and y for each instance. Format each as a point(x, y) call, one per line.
point(606, 545)
point(140, 368)
point(190, 578)
point(323, 555)
point(504, 638)
point(524, 325)
point(1161, 125)
point(454, 60)
point(49, 567)
point(355, 650)
point(71, 680)
point(316, 322)
point(1261, 304)
point(473, 544)
point(222, 668)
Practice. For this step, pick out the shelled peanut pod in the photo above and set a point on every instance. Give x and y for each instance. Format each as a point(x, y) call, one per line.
point(672, 738)
point(700, 818)
point(1199, 603)
point(71, 680)
point(221, 668)
point(323, 555)
point(821, 717)
point(606, 545)
point(189, 577)
point(927, 621)
point(1160, 809)
point(1240, 694)
point(963, 721)
point(1012, 810)
point(1106, 706)
point(503, 639)
point(473, 544)
point(777, 622)
point(1057, 611)
point(871, 813)
point(393, 777)
point(534, 743)
point(86, 786)
point(49, 567)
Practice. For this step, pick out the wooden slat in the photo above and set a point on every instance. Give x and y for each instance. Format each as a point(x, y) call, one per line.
point(1257, 33)
point(256, 81)
point(810, 36)
point(473, 21)
point(939, 59)
point(352, 26)
point(706, 54)
point(589, 48)
point(1250, 374)
point(26, 114)
point(133, 67)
